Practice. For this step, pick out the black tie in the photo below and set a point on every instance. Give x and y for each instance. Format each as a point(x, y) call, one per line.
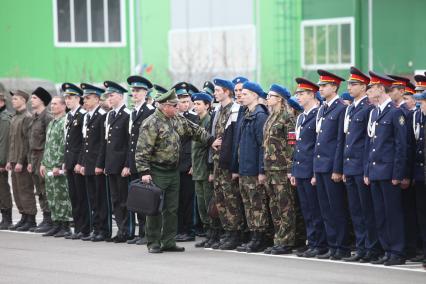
point(379, 111)
point(88, 119)
point(302, 119)
point(325, 108)
point(111, 116)
point(351, 110)
point(134, 114)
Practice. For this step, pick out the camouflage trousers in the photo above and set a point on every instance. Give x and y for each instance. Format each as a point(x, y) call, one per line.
point(255, 203)
point(58, 197)
point(228, 200)
point(282, 206)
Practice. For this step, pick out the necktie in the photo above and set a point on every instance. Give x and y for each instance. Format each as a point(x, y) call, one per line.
point(351, 110)
point(379, 111)
point(325, 108)
point(134, 114)
point(88, 119)
point(111, 116)
point(302, 119)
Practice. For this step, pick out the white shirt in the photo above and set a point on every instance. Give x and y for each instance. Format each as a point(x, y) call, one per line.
point(332, 100)
point(356, 103)
point(307, 112)
point(118, 109)
point(384, 104)
point(93, 111)
point(74, 111)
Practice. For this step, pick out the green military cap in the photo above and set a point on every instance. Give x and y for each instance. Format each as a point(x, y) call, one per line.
point(168, 97)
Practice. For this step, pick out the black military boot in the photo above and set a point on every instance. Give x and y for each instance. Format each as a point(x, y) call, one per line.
point(64, 230)
point(222, 239)
point(243, 247)
point(233, 242)
point(6, 221)
point(29, 223)
point(56, 227)
point(45, 225)
point(19, 224)
point(202, 243)
point(258, 244)
point(214, 238)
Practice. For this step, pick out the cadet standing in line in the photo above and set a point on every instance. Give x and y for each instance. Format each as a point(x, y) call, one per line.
point(92, 165)
point(328, 167)
point(200, 171)
point(226, 192)
point(22, 184)
point(186, 190)
point(387, 152)
point(158, 161)
point(40, 99)
point(420, 171)
point(354, 162)
point(116, 158)
point(5, 195)
point(139, 90)
point(302, 169)
point(73, 156)
point(251, 167)
point(50, 169)
point(277, 162)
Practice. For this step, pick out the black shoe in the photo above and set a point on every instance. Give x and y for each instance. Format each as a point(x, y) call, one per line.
point(155, 249)
point(188, 238)
point(73, 236)
point(142, 241)
point(6, 221)
point(55, 228)
point(301, 249)
point(86, 237)
point(326, 255)
point(314, 252)
point(395, 260)
point(64, 230)
point(179, 237)
point(133, 240)
point(354, 258)
point(369, 257)
point(339, 255)
point(29, 223)
point(174, 249)
point(19, 224)
point(120, 239)
point(381, 260)
point(242, 248)
point(232, 243)
point(281, 250)
point(201, 244)
point(418, 258)
point(98, 238)
point(257, 243)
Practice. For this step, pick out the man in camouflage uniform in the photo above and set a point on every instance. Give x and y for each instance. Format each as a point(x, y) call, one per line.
point(5, 196)
point(157, 158)
point(50, 168)
point(277, 163)
point(37, 137)
point(22, 184)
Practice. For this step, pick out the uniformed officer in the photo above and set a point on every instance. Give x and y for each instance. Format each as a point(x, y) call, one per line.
point(158, 161)
point(359, 195)
point(302, 175)
point(328, 166)
point(208, 87)
point(408, 194)
point(73, 156)
point(40, 99)
point(5, 196)
point(419, 125)
point(51, 169)
point(386, 151)
point(187, 190)
point(139, 90)
point(92, 165)
point(226, 192)
point(278, 151)
point(116, 158)
point(22, 184)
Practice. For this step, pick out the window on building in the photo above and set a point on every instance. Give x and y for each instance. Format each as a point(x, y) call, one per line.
point(328, 43)
point(89, 23)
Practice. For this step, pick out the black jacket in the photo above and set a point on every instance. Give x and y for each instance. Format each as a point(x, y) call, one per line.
point(93, 142)
point(185, 160)
point(74, 139)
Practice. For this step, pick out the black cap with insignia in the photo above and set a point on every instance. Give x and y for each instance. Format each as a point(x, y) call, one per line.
point(91, 90)
point(208, 87)
point(139, 82)
point(71, 90)
point(112, 87)
point(160, 89)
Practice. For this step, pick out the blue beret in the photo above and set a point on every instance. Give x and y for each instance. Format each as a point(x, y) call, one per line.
point(318, 96)
point(201, 97)
point(239, 79)
point(280, 90)
point(224, 84)
point(347, 97)
point(421, 96)
point(254, 87)
point(292, 101)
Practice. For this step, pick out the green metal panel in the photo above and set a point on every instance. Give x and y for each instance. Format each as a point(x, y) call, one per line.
point(28, 50)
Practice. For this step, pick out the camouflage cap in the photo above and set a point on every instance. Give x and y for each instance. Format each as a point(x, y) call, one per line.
point(168, 97)
point(22, 94)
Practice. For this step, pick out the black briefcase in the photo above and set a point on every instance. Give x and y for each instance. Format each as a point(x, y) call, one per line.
point(145, 198)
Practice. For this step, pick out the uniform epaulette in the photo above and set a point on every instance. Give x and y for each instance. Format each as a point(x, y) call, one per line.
point(149, 106)
point(82, 111)
point(101, 111)
point(126, 110)
point(192, 112)
point(235, 107)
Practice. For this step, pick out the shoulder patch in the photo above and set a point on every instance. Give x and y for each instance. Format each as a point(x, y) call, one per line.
point(149, 106)
point(101, 111)
point(126, 110)
point(235, 107)
point(82, 111)
point(401, 120)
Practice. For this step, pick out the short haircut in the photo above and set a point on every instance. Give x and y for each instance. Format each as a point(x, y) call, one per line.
point(60, 98)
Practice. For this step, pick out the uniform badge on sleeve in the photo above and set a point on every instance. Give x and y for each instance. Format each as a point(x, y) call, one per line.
point(401, 120)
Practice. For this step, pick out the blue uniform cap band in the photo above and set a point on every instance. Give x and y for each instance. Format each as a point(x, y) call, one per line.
point(139, 85)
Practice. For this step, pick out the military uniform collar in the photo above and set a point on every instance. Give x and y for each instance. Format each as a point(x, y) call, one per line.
point(356, 103)
point(138, 108)
point(73, 112)
point(309, 111)
point(384, 104)
point(331, 102)
point(92, 112)
point(117, 110)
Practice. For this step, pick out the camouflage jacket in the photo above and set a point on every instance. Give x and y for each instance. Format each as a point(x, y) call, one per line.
point(158, 144)
point(278, 153)
point(5, 117)
point(54, 148)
